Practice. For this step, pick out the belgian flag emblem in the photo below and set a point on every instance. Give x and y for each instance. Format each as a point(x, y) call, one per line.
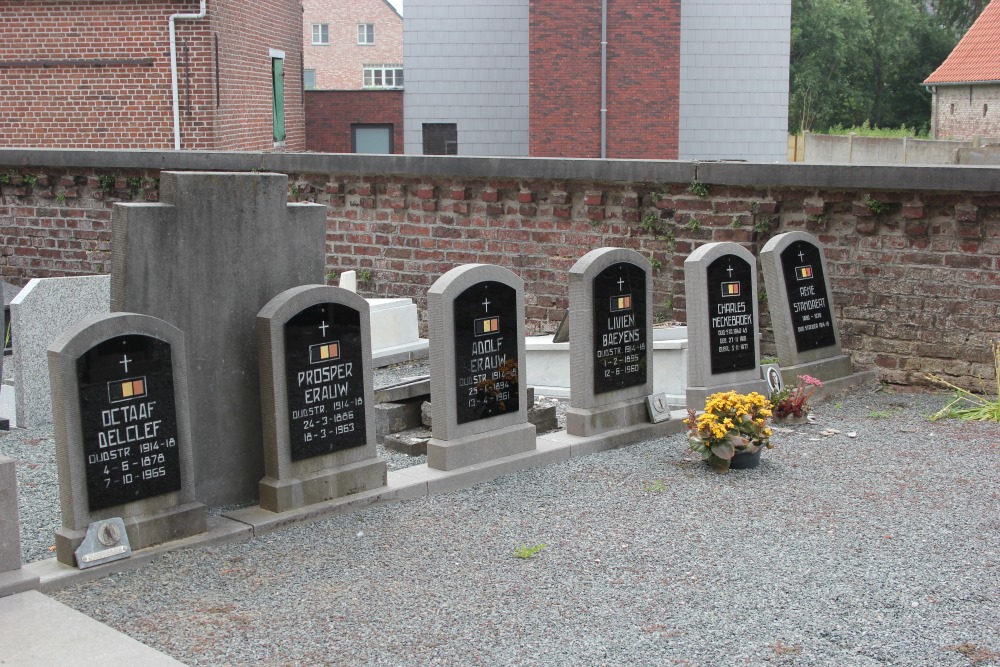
point(324, 352)
point(126, 390)
point(803, 272)
point(487, 325)
point(730, 290)
point(623, 302)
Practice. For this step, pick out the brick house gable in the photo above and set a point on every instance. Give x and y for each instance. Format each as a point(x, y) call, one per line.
point(339, 64)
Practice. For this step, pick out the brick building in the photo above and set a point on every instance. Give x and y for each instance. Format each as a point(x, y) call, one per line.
point(97, 73)
point(689, 79)
point(966, 87)
point(352, 45)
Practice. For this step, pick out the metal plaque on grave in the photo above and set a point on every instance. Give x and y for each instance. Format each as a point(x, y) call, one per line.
point(620, 345)
point(486, 351)
point(812, 322)
point(324, 373)
point(128, 420)
point(730, 315)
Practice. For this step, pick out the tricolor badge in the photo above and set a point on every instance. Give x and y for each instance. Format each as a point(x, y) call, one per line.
point(126, 390)
point(803, 272)
point(623, 302)
point(324, 352)
point(487, 325)
point(730, 290)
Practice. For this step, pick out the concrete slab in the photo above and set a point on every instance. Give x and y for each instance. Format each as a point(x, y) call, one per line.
point(28, 620)
point(17, 581)
point(54, 575)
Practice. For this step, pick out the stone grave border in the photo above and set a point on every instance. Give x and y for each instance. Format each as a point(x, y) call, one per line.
point(149, 521)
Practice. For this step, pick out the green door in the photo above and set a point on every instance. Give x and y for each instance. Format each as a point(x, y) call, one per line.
point(278, 84)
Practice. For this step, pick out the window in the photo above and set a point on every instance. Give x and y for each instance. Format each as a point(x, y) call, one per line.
point(383, 76)
point(376, 139)
point(366, 33)
point(321, 33)
point(309, 79)
point(440, 139)
point(278, 93)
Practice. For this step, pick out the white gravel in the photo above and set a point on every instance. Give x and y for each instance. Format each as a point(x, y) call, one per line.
point(883, 549)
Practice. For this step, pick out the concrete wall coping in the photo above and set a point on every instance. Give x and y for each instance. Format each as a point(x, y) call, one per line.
point(959, 178)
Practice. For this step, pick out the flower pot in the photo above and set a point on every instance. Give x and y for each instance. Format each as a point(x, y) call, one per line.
point(745, 460)
point(790, 421)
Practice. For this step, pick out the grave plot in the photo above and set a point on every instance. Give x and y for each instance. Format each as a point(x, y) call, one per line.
point(317, 398)
point(122, 432)
point(723, 329)
point(476, 324)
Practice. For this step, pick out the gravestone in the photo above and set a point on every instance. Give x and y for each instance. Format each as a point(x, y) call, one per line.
point(720, 282)
point(10, 528)
point(806, 334)
point(207, 258)
point(611, 341)
point(40, 313)
point(122, 431)
point(479, 410)
point(317, 398)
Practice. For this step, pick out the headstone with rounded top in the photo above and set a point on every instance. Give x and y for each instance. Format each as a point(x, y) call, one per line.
point(122, 431)
point(475, 318)
point(720, 282)
point(317, 398)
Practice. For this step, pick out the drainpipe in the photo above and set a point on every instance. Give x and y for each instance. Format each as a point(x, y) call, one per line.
point(173, 69)
point(604, 79)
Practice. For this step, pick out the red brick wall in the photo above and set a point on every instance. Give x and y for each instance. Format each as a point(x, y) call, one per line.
point(643, 79)
point(130, 105)
point(330, 114)
point(916, 287)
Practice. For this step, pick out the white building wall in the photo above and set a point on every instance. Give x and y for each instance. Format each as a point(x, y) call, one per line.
point(466, 62)
point(734, 80)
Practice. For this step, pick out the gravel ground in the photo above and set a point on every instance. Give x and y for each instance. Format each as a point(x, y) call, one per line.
point(883, 549)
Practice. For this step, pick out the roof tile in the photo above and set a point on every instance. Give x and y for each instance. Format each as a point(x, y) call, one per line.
point(977, 56)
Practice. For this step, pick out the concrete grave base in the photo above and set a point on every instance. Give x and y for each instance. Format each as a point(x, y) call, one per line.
point(18, 581)
point(827, 370)
point(696, 395)
point(586, 422)
point(846, 383)
point(288, 494)
point(143, 531)
point(480, 447)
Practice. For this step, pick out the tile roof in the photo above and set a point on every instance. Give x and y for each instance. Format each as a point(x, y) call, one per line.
point(977, 56)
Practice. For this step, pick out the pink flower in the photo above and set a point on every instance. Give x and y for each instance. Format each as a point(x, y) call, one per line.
point(810, 380)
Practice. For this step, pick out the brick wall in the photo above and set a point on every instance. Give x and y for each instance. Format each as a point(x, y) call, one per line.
point(331, 113)
point(913, 252)
point(339, 64)
point(109, 86)
point(643, 75)
point(964, 112)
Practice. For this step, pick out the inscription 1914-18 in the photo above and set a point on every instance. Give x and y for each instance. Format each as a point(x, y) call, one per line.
point(731, 315)
point(620, 345)
point(486, 345)
point(809, 306)
point(128, 420)
point(325, 380)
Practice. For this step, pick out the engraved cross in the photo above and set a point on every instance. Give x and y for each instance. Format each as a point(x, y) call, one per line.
point(486, 304)
point(323, 327)
point(730, 270)
point(621, 281)
point(802, 256)
point(125, 360)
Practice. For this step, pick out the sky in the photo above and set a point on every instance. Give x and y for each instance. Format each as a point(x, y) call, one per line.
point(398, 4)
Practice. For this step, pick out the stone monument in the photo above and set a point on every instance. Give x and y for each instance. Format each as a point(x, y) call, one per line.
point(806, 334)
point(720, 281)
point(122, 431)
point(317, 398)
point(611, 339)
point(207, 258)
point(475, 318)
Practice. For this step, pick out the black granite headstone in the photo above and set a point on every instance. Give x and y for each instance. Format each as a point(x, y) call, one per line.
point(620, 345)
point(325, 380)
point(128, 420)
point(812, 322)
point(486, 351)
point(731, 315)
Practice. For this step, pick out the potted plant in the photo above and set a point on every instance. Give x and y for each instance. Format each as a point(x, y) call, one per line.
point(793, 404)
point(732, 430)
